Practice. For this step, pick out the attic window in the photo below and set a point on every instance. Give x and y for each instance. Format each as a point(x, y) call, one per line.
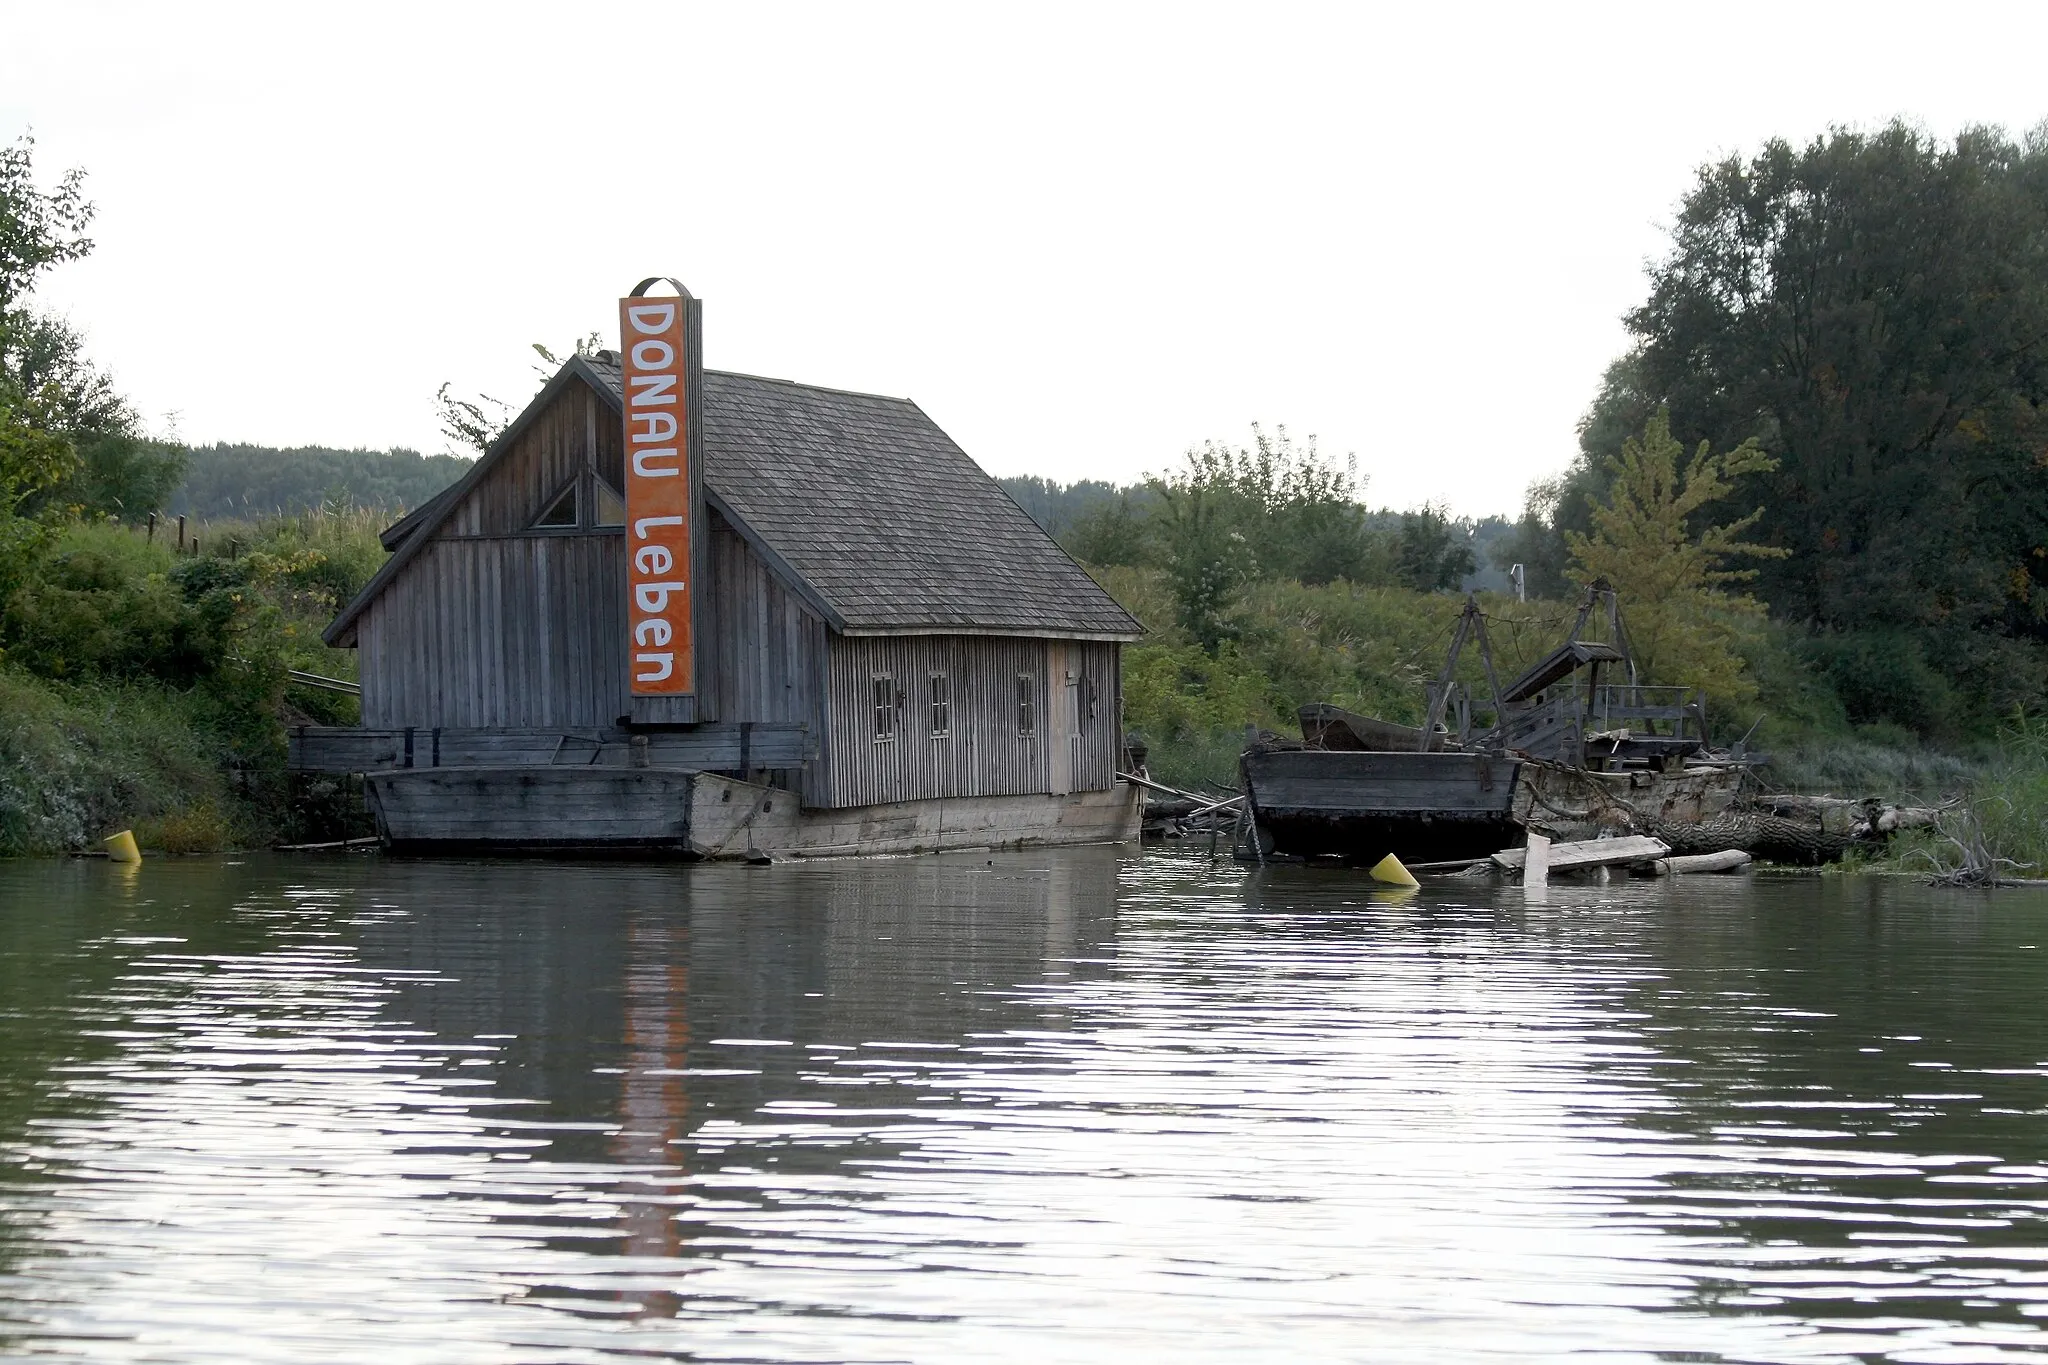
point(609, 508)
point(561, 512)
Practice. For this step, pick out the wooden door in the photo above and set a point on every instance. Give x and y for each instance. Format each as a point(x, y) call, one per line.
point(1063, 723)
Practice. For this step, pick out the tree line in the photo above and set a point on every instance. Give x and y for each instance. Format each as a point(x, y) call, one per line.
point(1231, 515)
point(1869, 309)
point(249, 481)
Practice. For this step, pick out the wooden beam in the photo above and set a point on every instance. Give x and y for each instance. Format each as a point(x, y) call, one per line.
point(706, 748)
point(1635, 848)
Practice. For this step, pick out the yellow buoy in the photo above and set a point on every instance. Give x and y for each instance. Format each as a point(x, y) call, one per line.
point(121, 847)
point(1389, 869)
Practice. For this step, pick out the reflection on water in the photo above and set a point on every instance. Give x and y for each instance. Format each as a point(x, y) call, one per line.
point(1061, 1106)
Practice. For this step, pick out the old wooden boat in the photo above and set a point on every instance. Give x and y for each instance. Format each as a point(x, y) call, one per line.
point(1575, 746)
point(1363, 804)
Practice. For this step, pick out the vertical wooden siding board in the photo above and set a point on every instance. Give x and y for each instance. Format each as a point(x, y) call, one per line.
point(504, 610)
point(475, 683)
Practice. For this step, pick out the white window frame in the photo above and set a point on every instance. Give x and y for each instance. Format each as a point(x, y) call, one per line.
point(887, 707)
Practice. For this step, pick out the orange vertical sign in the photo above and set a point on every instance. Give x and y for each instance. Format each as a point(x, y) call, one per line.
point(660, 655)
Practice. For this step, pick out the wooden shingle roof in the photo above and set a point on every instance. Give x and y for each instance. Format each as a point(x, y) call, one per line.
point(886, 524)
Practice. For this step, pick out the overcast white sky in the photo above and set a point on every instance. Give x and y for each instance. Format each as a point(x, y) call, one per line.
point(1083, 238)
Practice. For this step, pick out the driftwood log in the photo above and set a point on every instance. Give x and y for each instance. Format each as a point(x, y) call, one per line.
point(1773, 838)
point(1860, 818)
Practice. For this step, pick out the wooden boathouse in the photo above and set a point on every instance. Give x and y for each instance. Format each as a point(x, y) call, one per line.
point(888, 654)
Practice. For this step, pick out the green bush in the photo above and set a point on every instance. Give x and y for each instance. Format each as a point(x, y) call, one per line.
point(141, 687)
point(1884, 677)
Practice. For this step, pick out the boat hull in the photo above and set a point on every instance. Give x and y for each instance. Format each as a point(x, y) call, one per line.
point(1363, 805)
point(677, 813)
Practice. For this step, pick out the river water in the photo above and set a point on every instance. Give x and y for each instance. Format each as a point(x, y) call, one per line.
point(1085, 1105)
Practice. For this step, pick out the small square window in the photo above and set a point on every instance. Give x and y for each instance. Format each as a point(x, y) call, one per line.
point(941, 705)
point(1027, 705)
point(885, 708)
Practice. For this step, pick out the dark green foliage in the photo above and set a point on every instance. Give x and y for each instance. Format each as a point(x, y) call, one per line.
point(90, 614)
point(68, 440)
point(1233, 514)
point(260, 481)
point(1057, 507)
point(1113, 532)
point(1536, 542)
point(1096, 522)
point(45, 371)
point(120, 474)
point(1432, 552)
point(1872, 308)
point(1875, 309)
point(1273, 511)
point(122, 646)
point(1882, 676)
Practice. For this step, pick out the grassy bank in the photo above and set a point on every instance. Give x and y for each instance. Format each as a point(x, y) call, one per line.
point(80, 759)
point(1374, 649)
point(147, 688)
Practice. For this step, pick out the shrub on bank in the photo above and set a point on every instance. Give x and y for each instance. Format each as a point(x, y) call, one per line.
point(146, 688)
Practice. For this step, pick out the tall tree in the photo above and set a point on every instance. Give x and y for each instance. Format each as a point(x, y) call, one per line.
point(1672, 573)
point(38, 228)
point(47, 385)
point(1271, 509)
point(1873, 309)
point(1431, 552)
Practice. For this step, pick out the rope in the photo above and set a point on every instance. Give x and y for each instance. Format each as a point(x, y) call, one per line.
point(1604, 800)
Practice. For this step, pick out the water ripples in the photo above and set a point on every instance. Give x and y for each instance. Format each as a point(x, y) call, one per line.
point(1063, 1106)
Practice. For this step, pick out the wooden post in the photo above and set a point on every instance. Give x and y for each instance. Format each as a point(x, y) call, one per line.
point(1500, 719)
point(152, 528)
point(1536, 866)
point(181, 533)
point(1440, 695)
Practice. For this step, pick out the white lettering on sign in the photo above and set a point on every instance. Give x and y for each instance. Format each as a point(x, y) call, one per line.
point(657, 423)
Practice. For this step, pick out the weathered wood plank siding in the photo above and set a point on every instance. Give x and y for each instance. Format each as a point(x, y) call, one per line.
point(763, 655)
point(499, 630)
point(1070, 687)
point(534, 808)
point(575, 430)
point(748, 746)
point(1355, 783)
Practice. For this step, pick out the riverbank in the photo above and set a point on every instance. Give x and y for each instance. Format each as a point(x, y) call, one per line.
point(146, 685)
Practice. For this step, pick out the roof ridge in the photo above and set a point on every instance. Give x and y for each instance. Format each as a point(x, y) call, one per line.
point(773, 379)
